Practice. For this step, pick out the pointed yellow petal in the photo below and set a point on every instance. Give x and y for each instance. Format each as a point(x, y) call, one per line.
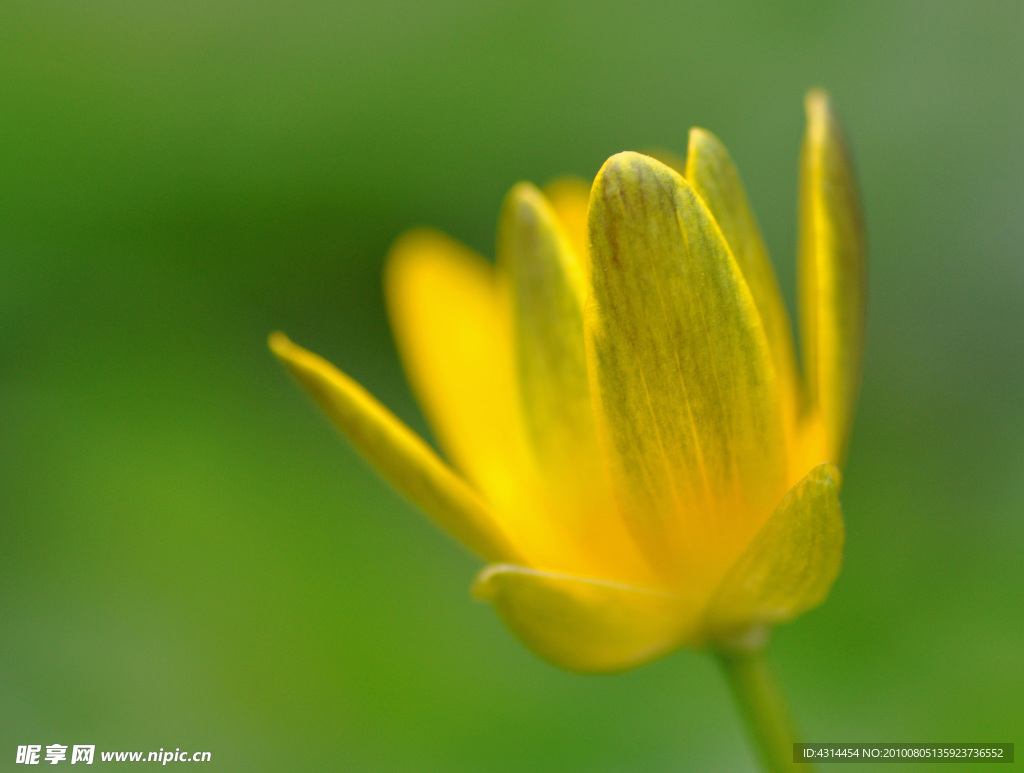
point(396, 451)
point(450, 320)
point(711, 172)
point(547, 285)
point(586, 625)
point(832, 272)
point(790, 565)
point(570, 198)
point(688, 405)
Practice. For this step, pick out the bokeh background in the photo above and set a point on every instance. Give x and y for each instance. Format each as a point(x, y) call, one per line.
point(190, 557)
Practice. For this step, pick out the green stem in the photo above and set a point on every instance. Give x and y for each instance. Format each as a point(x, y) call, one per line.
point(763, 707)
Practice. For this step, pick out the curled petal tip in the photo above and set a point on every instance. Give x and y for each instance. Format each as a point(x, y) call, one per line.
point(483, 589)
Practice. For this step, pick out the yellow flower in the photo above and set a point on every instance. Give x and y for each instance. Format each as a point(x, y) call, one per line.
point(630, 443)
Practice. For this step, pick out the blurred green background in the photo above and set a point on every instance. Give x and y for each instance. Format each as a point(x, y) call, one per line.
point(189, 555)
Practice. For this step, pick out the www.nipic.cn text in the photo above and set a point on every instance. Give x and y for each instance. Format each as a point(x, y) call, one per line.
point(34, 754)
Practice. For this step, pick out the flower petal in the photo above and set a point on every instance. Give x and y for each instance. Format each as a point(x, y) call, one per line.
point(832, 272)
point(450, 320)
point(396, 451)
point(790, 565)
point(570, 198)
point(686, 396)
point(548, 288)
point(587, 625)
point(711, 172)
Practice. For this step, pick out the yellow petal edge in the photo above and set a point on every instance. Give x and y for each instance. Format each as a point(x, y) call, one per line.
point(790, 565)
point(397, 452)
point(547, 287)
point(583, 624)
point(832, 272)
point(713, 175)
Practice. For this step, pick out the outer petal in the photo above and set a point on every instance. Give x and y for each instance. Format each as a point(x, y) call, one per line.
point(832, 272)
point(711, 172)
point(587, 625)
point(396, 451)
point(792, 562)
point(687, 400)
point(450, 320)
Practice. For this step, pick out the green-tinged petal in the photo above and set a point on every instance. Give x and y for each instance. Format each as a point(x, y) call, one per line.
point(396, 451)
point(711, 172)
point(832, 272)
point(687, 401)
point(548, 288)
point(790, 565)
point(548, 292)
point(587, 625)
point(451, 323)
point(570, 199)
